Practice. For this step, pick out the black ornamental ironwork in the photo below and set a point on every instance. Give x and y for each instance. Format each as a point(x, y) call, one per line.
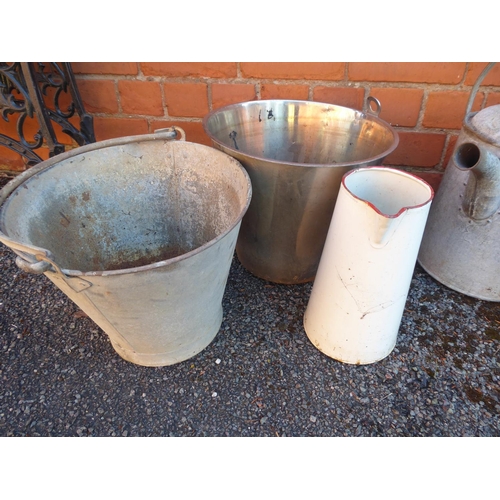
point(35, 91)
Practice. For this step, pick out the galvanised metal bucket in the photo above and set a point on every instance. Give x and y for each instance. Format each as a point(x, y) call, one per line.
point(139, 232)
point(296, 153)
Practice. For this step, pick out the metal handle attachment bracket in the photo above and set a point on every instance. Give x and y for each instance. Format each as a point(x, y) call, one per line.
point(368, 106)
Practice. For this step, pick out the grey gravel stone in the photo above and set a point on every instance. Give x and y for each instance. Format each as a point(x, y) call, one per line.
point(59, 375)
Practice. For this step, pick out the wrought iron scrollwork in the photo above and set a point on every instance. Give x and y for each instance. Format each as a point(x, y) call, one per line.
point(34, 91)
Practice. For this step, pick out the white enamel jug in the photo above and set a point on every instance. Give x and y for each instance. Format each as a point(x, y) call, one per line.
point(359, 294)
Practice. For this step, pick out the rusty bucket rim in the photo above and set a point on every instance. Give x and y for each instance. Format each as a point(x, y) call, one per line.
point(45, 165)
point(363, 114)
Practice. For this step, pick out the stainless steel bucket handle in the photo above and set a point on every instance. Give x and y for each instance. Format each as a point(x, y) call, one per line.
point(474, 89)
point(368, 106)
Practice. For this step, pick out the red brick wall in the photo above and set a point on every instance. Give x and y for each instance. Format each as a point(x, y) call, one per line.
point(424, 102)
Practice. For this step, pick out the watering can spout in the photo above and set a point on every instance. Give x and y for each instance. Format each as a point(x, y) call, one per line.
point(482, 193)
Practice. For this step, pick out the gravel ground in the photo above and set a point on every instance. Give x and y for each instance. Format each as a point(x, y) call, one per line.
point(260, 376)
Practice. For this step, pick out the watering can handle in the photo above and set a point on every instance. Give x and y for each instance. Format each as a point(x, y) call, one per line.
point(473, 91)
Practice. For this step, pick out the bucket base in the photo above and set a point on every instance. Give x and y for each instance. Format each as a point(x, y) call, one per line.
point(179, 355)
point(284, 276)
point(279, 280)
point(459, 289)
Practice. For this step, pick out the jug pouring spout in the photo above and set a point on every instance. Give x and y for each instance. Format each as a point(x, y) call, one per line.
point(482, 193)
point(383, 227)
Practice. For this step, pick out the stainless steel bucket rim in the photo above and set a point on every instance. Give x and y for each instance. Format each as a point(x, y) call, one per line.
point(363, 114)
point(19, 180)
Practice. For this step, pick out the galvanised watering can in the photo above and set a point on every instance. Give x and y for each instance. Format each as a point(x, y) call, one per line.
point(461, 244)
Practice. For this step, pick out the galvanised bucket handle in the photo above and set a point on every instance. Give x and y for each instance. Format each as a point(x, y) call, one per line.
point(36, 260)
point(172, 130)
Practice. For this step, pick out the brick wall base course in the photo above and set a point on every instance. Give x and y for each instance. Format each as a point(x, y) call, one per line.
point(424, 102)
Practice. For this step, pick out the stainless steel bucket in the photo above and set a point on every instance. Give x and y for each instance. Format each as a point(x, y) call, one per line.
point(461, 243)
point(139, 232)
point(296, 153)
